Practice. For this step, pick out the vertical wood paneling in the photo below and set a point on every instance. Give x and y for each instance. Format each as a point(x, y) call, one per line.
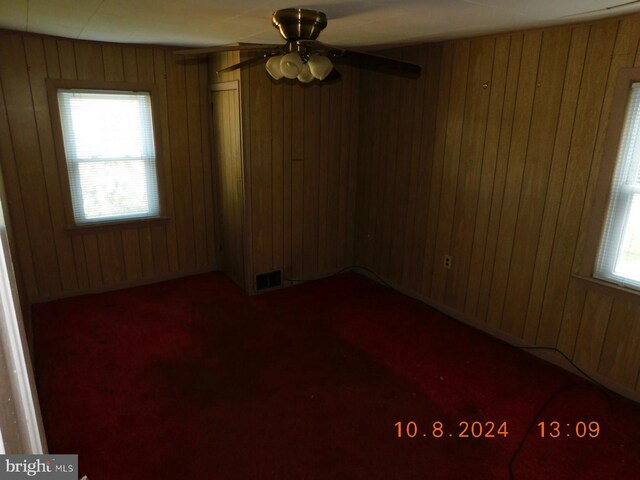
point(15, 206)
point(150, 265)
point(500, 176)
point(511, 198)
point(299, 161)
point(592, 92)
point(489, 172)
point(181, 159)
point(595, 318)
point(229, 185)
point(287, 208)
point(387, 177)
point(259, 130)
point(544, 120)
point(323, 176)
point(277, 177)
point(470, 167)
point(165, 239)
point(626, 44)
point(210, 217)
point(194, 98)
point(430, 213)
point(311, 168)
point(336, 180)
point(297, 183)
point(35, 55)
point(452, 149)
point(54, 260)
point(351, 124)
point(401, 192)
point(28, 161)
point(510, 184)
point(425, 129)
point(562, 141)
point(419, 56)
point(620, 359)
point(368, 152)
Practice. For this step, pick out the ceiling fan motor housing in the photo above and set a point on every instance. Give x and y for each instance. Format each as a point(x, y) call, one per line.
point(303, 54)
point(299, 24)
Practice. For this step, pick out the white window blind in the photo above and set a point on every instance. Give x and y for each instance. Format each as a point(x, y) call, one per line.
point(619, 256)
point(111, 160)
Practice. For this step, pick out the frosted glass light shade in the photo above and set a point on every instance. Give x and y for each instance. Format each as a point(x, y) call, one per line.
point(320, 66)
point(305, 76)
point(291, 65)
point(273, 67)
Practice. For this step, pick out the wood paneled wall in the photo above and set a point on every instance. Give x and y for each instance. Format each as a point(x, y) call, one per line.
point(492, 157)
point(228, 166)
point(230, 185)
point(54, 261)
point(300, 146)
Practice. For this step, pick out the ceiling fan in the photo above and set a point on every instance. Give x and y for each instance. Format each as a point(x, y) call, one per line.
point(604, 9)
point(303, 56)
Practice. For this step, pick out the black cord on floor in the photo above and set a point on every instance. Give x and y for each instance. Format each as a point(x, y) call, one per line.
point(548, 402)
point(594, 383)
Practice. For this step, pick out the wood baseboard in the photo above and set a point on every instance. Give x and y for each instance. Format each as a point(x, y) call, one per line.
point(122, 285)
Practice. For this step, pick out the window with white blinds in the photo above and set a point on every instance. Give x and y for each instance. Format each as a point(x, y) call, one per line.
point(110, 151)
point(619, 256)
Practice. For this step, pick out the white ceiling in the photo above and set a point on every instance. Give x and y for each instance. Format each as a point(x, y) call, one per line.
point(351, 22)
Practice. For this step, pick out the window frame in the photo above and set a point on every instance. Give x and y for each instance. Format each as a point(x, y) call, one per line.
point(53, 86)
point(586, 270)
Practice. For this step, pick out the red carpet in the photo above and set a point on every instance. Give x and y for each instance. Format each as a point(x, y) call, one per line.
point(191, 379)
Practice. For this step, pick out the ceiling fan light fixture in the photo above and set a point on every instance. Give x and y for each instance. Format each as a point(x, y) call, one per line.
point(300, 28)
point(291, 65)
point(320, 66)
point(273, 67)
point(305, 76)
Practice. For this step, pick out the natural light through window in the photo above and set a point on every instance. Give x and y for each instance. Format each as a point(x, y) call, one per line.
point(109, 145)
point(619, 258)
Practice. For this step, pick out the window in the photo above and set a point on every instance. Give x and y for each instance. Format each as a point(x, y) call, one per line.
point(110, 154)
point(619, 256)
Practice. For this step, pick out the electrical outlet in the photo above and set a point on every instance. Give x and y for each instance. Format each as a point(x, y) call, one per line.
point(447, 261)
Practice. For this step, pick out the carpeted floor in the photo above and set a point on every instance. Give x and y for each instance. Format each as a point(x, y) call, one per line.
point(191, 379)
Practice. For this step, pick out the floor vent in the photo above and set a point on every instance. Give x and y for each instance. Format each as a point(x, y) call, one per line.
point(265, 281)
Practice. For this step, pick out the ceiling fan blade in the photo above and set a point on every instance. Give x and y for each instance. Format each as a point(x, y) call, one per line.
point(605, 9)
point(257, 47)
point(334, 76)
point(368, 60)
point(318, 47)
point(245, 63)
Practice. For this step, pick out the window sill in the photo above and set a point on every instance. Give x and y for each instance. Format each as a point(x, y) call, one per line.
point(617, 291)
point(117, 225)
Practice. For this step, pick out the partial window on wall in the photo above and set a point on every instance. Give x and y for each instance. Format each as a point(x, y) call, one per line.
point(619, 254)
point(110, 154)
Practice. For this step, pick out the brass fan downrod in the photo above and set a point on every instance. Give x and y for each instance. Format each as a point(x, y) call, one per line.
point(299, 24)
